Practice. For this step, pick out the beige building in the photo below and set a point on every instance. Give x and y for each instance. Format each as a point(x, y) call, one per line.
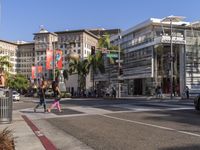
point(43, 40)
point(9, 49)
point(78, 42)
point(24, 55)
point(25, 58)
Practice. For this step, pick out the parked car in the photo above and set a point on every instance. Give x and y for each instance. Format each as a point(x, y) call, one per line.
point(49, 93)
point(197, 102)
point(15, 96)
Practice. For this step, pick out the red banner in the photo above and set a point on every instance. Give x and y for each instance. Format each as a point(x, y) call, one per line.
point(49, 60)
point(33, 72)
point(58, 59)
point(39, 69)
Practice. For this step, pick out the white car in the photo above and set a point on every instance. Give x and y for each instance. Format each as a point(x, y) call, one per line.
point(15, 96)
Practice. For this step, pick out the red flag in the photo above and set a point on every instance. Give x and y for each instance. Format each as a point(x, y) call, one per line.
point(39, 69)
point(58, 59)
point(33, 72)
point(49, 60)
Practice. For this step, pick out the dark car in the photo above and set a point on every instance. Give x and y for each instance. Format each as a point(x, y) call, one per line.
point(197, 102)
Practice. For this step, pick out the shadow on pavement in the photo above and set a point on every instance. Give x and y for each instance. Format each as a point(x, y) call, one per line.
point(189, 147)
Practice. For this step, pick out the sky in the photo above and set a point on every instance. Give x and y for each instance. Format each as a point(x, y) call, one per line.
point(19, 19)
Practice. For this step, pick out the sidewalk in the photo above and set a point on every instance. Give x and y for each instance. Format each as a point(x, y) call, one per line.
point(40, 135)
point(24, 137)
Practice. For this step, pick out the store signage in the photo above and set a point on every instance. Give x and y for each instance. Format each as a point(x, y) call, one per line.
point(175, 40)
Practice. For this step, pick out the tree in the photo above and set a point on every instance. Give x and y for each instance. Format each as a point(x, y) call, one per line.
point(4, 62)
point(96, 64)
point(17, 82)
point(79, 67)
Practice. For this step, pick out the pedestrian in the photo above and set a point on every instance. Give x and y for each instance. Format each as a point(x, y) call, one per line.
point(57, 96)
point(113, 93)
point(187, 92)
point(41, 94)
point(159, 90)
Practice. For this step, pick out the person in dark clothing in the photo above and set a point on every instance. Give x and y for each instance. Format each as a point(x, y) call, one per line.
point(41, 94)
point(187, 92)
point(113, 93)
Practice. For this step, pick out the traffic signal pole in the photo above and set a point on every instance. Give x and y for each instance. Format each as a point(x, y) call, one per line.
point(119, 66)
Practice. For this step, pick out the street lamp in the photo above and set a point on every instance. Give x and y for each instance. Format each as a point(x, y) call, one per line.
point(172, 19)
point(119, 65)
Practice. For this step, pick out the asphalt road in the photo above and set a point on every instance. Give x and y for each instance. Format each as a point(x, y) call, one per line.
point(132, 124)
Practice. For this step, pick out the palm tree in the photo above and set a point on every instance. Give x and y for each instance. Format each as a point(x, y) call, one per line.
point(81, 68)
point(104, 42)
point(96, 64)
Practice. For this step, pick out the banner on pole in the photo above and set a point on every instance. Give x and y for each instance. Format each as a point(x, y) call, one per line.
point(49, 59)
point(33, 72)
point(39, 69)
point(58, 59)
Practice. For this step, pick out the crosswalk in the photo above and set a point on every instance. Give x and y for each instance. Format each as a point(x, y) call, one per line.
point(73, 111)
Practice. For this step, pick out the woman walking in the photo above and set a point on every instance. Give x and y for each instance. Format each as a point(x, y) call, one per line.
point(41, 94)
point(57, 95)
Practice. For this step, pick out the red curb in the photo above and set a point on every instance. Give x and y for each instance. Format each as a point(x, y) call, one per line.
point(48, 145)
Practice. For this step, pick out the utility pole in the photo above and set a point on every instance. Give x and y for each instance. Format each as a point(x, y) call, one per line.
point(54, 61)
point(171, 59)
point(119, 64)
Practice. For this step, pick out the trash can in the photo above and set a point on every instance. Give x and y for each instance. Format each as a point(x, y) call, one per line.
point(5, 106)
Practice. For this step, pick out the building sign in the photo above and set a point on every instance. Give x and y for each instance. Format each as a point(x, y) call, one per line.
point(175, 40)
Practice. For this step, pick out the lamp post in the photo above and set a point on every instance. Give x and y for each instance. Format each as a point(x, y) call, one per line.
point(172, 19)
point(54, 61)
point(119, 65)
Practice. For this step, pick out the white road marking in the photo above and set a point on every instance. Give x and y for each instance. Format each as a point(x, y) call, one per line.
point(39, 133)
point(152, 125)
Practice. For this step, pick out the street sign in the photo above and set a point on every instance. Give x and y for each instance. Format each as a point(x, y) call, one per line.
point(119, 61)
point(112, 55)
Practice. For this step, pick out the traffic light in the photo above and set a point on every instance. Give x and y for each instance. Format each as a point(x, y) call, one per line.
point(92, 50)
point(120, 71)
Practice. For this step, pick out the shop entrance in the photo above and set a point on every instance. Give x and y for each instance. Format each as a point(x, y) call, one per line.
point(164, 68)
point(138, 87)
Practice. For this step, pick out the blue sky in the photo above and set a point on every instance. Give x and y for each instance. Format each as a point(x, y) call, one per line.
point(21, 18)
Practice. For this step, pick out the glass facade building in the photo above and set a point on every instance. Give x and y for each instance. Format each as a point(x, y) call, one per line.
point(147, 57)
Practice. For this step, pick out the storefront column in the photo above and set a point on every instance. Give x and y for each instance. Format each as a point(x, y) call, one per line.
point(182, 68)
